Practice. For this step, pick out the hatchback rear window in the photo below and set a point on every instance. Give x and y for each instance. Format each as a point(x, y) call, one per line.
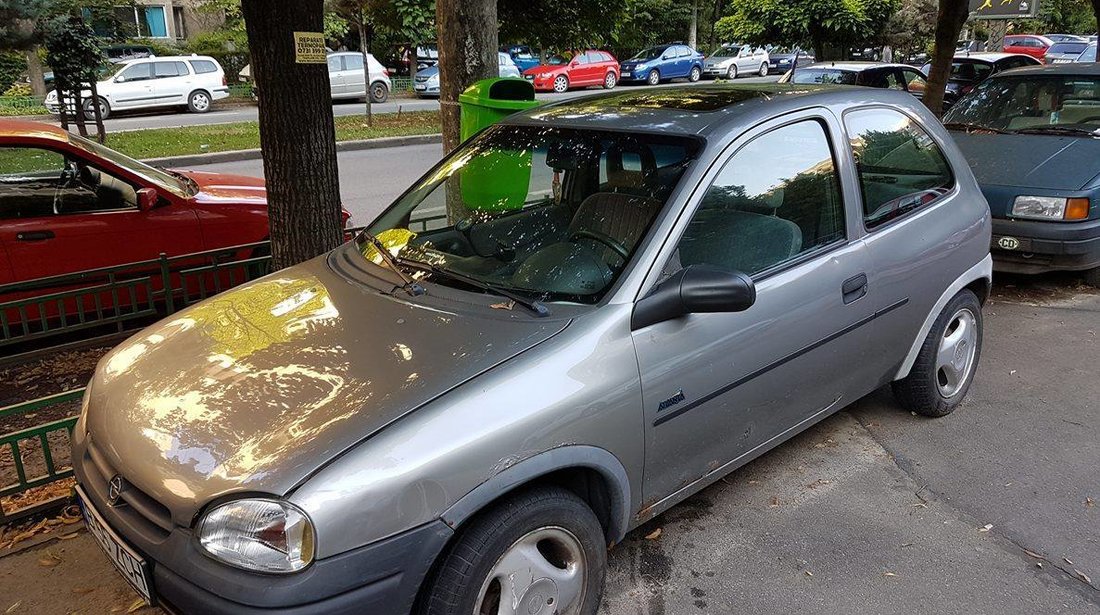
point(204, 66)
point(1070, 48)
point(824, 75)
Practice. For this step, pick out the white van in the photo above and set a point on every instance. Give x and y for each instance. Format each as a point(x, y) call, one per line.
point(148, 83)
point(345, 77)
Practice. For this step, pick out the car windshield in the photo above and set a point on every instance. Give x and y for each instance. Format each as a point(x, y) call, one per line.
point(965, 71)
point(1036, 103)
point(824, 75)
point(552, 214)
point(726, 51)
point(648, 54)
point(1089, 54)
point(175, 184)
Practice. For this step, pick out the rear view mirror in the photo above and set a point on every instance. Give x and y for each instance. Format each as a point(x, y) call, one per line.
point(695, 289)
point(147, 199)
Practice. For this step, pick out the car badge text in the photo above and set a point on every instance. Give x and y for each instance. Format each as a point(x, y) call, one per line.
point(671, 401)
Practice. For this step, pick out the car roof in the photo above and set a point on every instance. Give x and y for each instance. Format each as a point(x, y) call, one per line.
point(855, 66)
point(701, 109)
point(989, 56)
point(1090, 69)
point(39, 130)
point(164, 59)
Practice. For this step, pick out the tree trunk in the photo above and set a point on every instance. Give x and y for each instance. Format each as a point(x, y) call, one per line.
point(100, 131)
point(1096, 12)
point(693, 28)
point(364, 48)
point(714, 18)
point(297, 133)
point(62, 108)
point(34, 72)
point(950, 18)
point(467, 34)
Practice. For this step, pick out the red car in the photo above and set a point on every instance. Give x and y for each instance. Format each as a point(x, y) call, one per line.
point(1033, 45)
point(69, 204)
point(585, 68)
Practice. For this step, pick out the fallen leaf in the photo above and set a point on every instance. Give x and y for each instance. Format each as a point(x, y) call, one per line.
point(1034, 554)
point(506, 305)
point(135, 605)
point(889, 574)
point(11, 609)
point(1068, 561)
point(1084, 577)
point(49, 560)
point(1089, 503)
point(986, 527)
point(83, 590)
point(68, 536)
point(654, 534)
point(1011, 372)
point(809, 574)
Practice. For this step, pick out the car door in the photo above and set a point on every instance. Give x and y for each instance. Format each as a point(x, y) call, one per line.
point(336, 84)
point(908, 205)
point(133, 87)
point(578, 69)
point(354, 84)
point(720, 388)
point(596, 67)
point(683, 60)
point(65, 213)
point(171, 82)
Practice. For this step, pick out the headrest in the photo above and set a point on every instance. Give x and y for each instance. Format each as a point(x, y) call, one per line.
point(631, 166)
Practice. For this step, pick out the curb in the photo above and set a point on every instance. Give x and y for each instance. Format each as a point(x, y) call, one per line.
point(255, 154)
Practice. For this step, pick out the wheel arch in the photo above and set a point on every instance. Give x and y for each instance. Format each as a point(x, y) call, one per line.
point(593, 473)
point(978, 279)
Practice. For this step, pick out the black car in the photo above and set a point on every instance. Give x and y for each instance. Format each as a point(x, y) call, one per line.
point(970, 69)
point(868, 74)
point(781, 60)
point(1032, 137)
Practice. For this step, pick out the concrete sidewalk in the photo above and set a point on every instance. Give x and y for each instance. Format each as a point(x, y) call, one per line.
point(872, 511)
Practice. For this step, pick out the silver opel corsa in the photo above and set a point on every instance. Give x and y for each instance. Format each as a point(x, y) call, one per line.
point(576, 320)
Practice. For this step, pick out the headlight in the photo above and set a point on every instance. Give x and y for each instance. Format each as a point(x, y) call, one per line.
point(1050, 208)
point(260, 535)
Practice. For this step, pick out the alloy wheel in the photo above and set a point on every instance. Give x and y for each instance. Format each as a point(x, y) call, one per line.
point(544, 572)
point(609, 81)
point(956, 352)
point(654, 77)
point(200, 101)
point(731, 72)
point(561, 84)
point(764, 69)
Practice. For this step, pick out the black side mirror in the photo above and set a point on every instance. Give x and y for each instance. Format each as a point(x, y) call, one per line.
point(695, 289)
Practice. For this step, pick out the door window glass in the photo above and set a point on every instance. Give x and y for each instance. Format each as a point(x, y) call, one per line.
point(204, 66)
point(777, 198)
point(901, 168)
point(335, 64)
point(138, 72)
point(353, 62)
point(34, 181)
point(580, 58)
point(165, 69)
point(914, 81)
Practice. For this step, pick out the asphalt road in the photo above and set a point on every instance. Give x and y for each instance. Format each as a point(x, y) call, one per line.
point(872, 511)
point(223, 114)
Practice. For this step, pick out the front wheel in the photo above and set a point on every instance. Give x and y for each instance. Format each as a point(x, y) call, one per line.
point(541, 551)
point(731, 72)
point(198, 102)
point(654, 77)
point(763, 69)
point(695, 73)
point(379, 92)
point(104, 109)
point(609, 81)
point(561, 84)
point(945, 365)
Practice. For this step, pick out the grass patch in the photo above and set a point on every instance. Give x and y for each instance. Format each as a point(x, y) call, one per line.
point(9, 111)
point(161, 142)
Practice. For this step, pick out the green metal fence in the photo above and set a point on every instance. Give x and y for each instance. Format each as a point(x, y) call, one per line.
point(401, 84)
point(34, 443)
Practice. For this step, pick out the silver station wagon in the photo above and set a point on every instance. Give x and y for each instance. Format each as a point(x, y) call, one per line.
point(576, 320)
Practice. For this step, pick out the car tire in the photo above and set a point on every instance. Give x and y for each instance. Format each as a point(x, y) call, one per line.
point(653, 78)
point(561, 84)
point(199, 101)
point(610, 80)
point(763, 72)
point(695, 74)
point(379, 93)
point(104, 109)
point(731, 72)
point(548, 529)
point(948, 358)
point(1092, 277)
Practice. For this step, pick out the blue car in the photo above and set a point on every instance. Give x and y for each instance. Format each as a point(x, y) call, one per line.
point(523, 56)
point(663, 62)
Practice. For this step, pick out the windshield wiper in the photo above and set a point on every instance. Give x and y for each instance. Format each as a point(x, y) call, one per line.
point(967, 126)
point(1071, 130)
point(537, 307)
point(409, 285)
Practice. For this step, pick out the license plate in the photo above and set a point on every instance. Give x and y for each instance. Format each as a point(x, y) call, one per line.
point(1011, 243)
point(421, 88)
point(131, 565)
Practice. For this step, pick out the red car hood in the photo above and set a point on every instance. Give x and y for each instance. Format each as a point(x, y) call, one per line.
point(222, 187)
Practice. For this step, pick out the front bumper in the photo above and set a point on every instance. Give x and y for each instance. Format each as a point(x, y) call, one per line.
point(1033, 246)
point(383, 577)
point(715, 71)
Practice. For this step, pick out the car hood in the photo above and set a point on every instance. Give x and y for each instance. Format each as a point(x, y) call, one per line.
point(257, 388)
point(222, 187)
point(1035, 161)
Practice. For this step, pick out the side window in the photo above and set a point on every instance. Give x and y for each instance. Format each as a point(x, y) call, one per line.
point(594, 57)
point(182, 69)
point(892, 80)
point(900, 167)
point(165, 69)
point(335, 64)
point(606, 56)
point(138, 72)
point(775, 199)
point(914, 82)
point(353, 62)
point(581, 58)
point(204, 66)
point(29, 180)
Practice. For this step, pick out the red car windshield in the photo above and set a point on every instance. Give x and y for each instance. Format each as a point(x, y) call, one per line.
point(172, 183)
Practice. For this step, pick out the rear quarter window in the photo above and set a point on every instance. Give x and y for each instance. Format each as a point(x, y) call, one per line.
point(901, 168)
point(204, 66)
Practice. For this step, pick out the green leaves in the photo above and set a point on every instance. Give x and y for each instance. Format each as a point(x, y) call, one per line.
point(797, 22)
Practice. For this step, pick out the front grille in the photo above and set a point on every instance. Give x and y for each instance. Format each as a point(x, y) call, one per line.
point(422, 79)
point(137, 508)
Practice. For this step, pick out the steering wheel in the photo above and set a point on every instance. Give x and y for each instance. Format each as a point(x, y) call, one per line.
point(614, 244)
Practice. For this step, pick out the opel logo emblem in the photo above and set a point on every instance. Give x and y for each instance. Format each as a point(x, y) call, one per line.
point(1008, 243)
point(114, 490)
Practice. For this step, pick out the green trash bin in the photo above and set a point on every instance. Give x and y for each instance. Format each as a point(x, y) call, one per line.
point(498, 181)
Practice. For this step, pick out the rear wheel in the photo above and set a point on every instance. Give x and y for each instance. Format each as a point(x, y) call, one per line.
point(561, 83)
point(609, 81)
point(945, 365)
point(379, 92)
point(540, 551)
point(104, 109)
point(763, 69)
point(695, 73)
point(654, 77)
point(199, 101)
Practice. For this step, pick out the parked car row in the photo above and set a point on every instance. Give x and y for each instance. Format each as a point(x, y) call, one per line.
point(1051, 48)
point(426, 82)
